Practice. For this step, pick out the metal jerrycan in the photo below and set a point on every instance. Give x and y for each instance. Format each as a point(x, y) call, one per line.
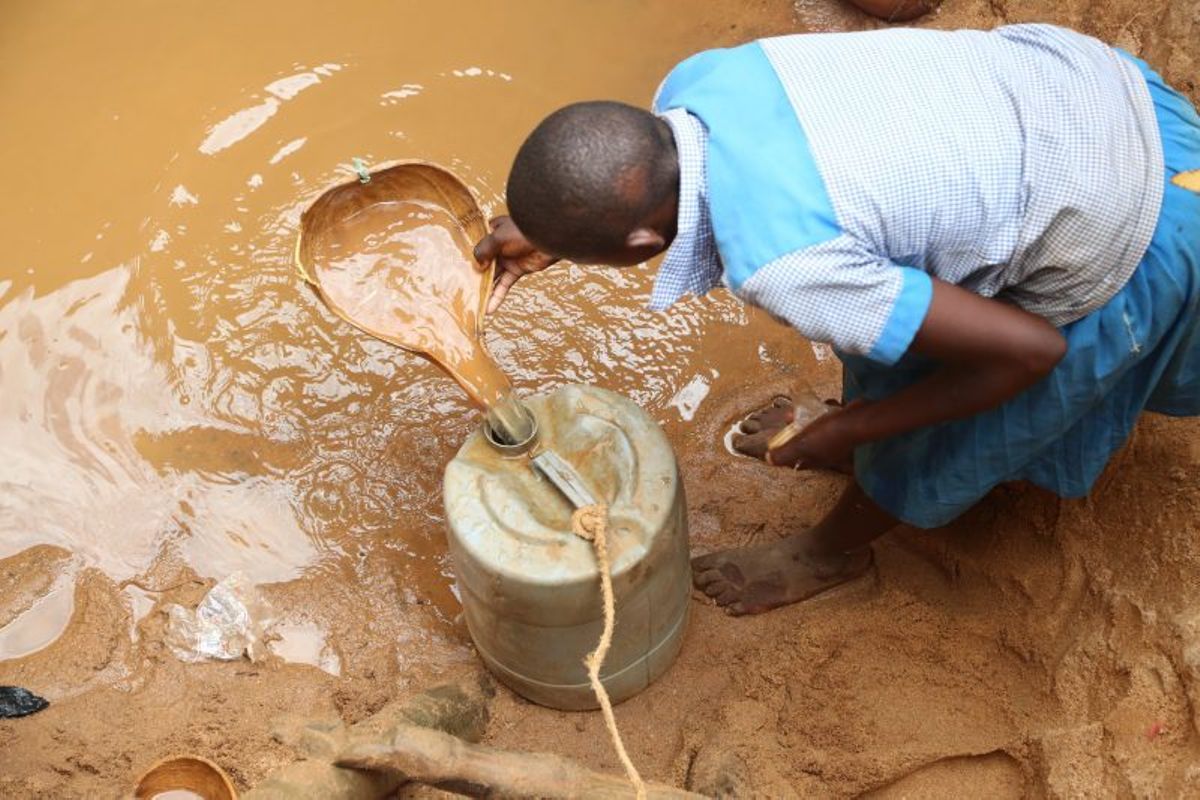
point(530, 588)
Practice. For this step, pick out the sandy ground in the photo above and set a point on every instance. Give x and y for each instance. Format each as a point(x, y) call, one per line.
point(1035, 648)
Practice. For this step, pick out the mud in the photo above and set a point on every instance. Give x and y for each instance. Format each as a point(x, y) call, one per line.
point(176, 407)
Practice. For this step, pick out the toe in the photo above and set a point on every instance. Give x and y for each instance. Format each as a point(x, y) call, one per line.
point(747, 604)
point(754, 446)
point(750, 425)
point(708, 579)
point(727, 597)
point(706, 562)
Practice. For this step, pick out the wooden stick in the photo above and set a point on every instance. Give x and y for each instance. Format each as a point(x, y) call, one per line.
point(460, 707)
point(446, 762)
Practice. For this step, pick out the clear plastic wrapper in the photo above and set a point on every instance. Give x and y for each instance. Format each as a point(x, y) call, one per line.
point(230, 622)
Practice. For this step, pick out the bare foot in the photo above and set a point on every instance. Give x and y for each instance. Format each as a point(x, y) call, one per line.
point(754, 579)
point(758, 428)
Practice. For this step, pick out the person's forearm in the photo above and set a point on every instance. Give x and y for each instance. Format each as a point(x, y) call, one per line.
point(953, 392)
point(990, 352)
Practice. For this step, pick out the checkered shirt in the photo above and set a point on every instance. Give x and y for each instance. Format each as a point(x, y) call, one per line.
point(1022, 163)
point(691, 264)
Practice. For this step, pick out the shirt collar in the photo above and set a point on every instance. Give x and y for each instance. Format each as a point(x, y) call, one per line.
point(691, 264)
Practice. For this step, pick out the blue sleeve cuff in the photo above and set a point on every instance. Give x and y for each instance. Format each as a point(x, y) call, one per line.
point(908, 312)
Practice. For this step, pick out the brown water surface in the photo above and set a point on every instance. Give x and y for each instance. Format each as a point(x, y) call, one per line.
point(176, 402)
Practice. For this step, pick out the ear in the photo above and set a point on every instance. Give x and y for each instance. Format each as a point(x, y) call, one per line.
point(645, 238)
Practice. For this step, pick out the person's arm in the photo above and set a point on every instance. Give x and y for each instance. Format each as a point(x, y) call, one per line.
point(515, 257)
point(989, 352)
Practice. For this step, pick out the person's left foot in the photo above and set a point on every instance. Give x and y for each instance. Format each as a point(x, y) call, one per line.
point(757, 578)
point(756, 430)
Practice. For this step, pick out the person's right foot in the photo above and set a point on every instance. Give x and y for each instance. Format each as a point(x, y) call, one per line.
point(757, 578)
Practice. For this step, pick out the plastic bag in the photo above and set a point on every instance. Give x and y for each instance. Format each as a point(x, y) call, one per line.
point(229, 622)
point(18, 702)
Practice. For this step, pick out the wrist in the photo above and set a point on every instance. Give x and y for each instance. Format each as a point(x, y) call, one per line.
point(856, 421)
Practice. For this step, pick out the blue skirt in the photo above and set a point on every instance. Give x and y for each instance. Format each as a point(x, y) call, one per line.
point(1141, 351)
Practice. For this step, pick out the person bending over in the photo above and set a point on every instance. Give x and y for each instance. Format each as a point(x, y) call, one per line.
point(982, 224)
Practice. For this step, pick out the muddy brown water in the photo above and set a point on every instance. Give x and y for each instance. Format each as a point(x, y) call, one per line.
point(175, 400)
point(175, 405)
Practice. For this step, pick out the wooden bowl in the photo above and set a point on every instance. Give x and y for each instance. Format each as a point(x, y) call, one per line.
point(198, 776)
point(421, 181)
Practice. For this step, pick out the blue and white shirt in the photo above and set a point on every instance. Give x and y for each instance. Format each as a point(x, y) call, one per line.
point(827, 177)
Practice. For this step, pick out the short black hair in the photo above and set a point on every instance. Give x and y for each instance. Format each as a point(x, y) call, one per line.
point(588, 175)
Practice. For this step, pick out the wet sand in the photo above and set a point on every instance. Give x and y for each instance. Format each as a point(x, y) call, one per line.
point(177, 406)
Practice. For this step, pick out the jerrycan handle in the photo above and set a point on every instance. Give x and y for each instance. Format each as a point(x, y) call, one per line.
point(563, 476)
point(512, 430)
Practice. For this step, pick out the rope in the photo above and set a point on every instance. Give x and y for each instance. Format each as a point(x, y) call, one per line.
point(361, 169)
point(591, 523)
